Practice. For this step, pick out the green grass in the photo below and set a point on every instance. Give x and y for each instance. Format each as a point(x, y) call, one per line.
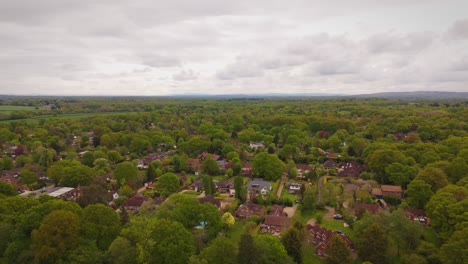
point(66, 116)
point(305, 216)
point(235, 232)
point(430, 236)
point(11, 108)
point(338, 225)
point(286, 195)
point(308, 255)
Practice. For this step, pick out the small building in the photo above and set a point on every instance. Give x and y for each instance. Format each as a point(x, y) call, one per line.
point(248, 209)
point(329, 164)
point(210, 199)
point(416, 215)
point(223, 186)
point(387, 190)
point(134, 203)
point(293, 187)
point(196, 186)
point(257, 145)
point(319, 237)
point(275, 224)
point(259, 186)
point(371, 208)
point(302, 170)
point(246, 169)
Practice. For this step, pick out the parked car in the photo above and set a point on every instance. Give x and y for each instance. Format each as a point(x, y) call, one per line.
point(338, 216)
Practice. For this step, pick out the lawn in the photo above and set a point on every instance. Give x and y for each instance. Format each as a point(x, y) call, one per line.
point(308, 255)
point(11, 108)
point(338, 225)
point(305, 216)
point(286, 195)
point(235, 232)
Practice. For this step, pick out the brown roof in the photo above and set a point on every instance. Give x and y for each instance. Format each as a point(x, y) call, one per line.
point(274, 220)
point(210, 199)
point(391, 188)
point(136, 201)
point(377, 192)
point(371, 208)
point(329, 164)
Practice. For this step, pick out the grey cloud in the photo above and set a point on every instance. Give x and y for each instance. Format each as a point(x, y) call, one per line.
point(241, 68)
point(159, 61)
point(459, 30)
point(185, 75)
point(395, 42)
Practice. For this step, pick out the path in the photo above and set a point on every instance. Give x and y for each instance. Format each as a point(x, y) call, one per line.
point(280, 188)
point(328, 215)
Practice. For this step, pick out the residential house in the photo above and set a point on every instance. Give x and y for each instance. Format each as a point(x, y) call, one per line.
point(210, 199)
point(246, 169)
point(275, 224)
point(371, 208)
point(349, 169)
point(329, 164)
point(196, 186)
point(416, 215)
point(319, 237)
point(223, 186)
point(302, 170)
point(248, 209)
point(256, 145)
point(258, 185)
point(155, 156)
point(387, 190)
point(134, 203)
point(293, 187)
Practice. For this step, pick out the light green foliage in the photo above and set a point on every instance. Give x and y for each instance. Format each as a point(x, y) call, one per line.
point(221, 250)
point(124, 172)
point(101, 224)
point(372, 245)
point(338, 251)
point(121, 251)
point(58, 233)
point(210, 166)
point(228, 219)
point(448, 209)
point(419, 192)
point(309, 198)
point(168, 184)
point(7, 189)
point(455, 250)
point(267, 166)
point(433, 176)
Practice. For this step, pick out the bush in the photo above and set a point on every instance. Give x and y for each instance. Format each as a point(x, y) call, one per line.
point(392, 200)
point(319, 219)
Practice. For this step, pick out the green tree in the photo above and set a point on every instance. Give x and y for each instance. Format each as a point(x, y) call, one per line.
point(400, 174)
point(238, 186)
point(267, 166)
point(208, 185)
point(88, 159)
point(7, 163)
point(372, 244)
point(168, 184)
point(447, 209)
point(247, 250)
point(7, 189)
point(28, 177)
point(293, 244)
point(210, 166)
point(124, 172)
point(101, 224)
point(121, 251)
point(58, 234)
point(309, 198)
point(338, 251)
point(220, 251)
point(454, 251)
point(228, 219)
point(457, 169)
point(419, 192)
point(270, 250)
point(433, 176)
point(380, 159)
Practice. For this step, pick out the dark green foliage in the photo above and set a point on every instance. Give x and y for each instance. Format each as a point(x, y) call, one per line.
point(291, 240)
point(338, 251)
point(373, 245)
point(7, 189)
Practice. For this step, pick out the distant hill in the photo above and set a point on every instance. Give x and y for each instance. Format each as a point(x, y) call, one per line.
point(415, 95)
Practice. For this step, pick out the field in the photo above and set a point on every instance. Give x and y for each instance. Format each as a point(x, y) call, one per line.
point(5, 109)
point(76, 116)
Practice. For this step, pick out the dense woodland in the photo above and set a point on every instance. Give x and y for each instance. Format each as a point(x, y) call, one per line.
point(95, 143)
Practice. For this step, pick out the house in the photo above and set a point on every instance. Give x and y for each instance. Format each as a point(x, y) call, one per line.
point(155, 156)
point(275, 224)
point(210, 199)
point(141, 164)
point(223, 186)
point(204, 155)
point(246, 169)
point(387, 190)
point(329, 164)
point(277, 210)
point(293, 187)
point(416, 215)
point(257, 145)
point(258, 185)
point(248, 209)
point(371, 208)
point(302, 170)
point(349, 169)
point(134, 203)
point(319, 237)
point(196, 186)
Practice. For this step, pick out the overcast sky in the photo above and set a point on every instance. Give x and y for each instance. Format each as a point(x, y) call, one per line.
point(155, 47)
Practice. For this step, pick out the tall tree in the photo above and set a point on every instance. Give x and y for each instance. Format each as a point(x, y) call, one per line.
point(238, 186)
point(168, 184)
point(309, 198)
point(210, 166)
point(267, 166)
point(220, 251)
point(454, 251)
point(247, 250)
point(100, 224)
point(124, 172)
point(293, 244)
point(419, 192)
point(338, 251)
point(434, 176)
point(373, 245)
point(58, 234)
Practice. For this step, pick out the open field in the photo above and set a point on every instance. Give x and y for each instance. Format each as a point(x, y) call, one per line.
point(66, 116)
point(5, 109)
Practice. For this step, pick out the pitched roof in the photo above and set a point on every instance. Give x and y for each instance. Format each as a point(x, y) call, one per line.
point(257, 184)
point(210, 199)
point(371, 208)
point(136, 200)
point(275, 220)
point(391, 188)
point(329, 164)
